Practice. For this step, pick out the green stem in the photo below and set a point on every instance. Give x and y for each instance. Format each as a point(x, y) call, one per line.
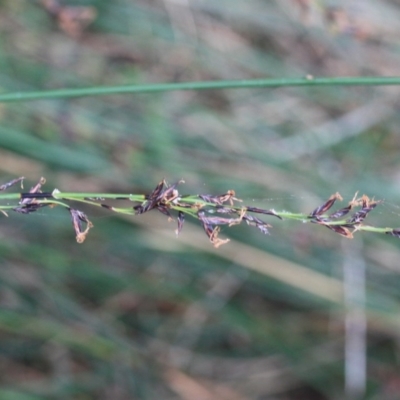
point(60, 203)
point(289, 215)
point(375, 229)
point(230, 84)
point(76, 196)
point(10, 196)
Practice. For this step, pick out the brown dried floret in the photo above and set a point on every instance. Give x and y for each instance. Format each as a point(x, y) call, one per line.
point(345, 210)
point(227, 197)
point(215, 220)
point(77, 218)
point(341, 230)
point(152, 199)
point(327, 205)
point(181, 220)
point(170, 193)
point(367, 206)
point(164, 210)
point(341, 213)
point(215, 240)
point(211, 231)
point(261, 225)
point(159, 198)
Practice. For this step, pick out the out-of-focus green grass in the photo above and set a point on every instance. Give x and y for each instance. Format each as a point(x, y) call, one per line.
point(135, 312)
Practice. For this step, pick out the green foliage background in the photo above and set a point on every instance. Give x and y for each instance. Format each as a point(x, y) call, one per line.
point(137, 313)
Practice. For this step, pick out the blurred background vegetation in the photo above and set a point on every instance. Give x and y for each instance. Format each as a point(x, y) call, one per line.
point(137, 313)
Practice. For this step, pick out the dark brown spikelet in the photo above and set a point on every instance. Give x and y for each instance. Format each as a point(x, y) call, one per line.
point(206, 226)
point(261, 225)
point(341, 213)
point(211, 231)
point(225, 210)
point(77, 218)
point(367, 206)
point(345, 210)
point(170, 193)
point(229, 196)
point(159, 198)
point(152, 199)
point(394, 232)
point(138, 208)
point(30, 207)
point(208, 198)
point(181, 220)
point(327, 205)
point(341, 230)
point(348, 227)
point(215, 220)
point(164, 210)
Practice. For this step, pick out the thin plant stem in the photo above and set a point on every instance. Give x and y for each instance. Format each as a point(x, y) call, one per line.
point(307, 81)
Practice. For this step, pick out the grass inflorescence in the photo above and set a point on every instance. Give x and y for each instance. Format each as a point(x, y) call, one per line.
point(211, 211)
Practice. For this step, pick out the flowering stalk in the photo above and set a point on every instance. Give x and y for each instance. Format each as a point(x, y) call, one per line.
point(211, 211)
